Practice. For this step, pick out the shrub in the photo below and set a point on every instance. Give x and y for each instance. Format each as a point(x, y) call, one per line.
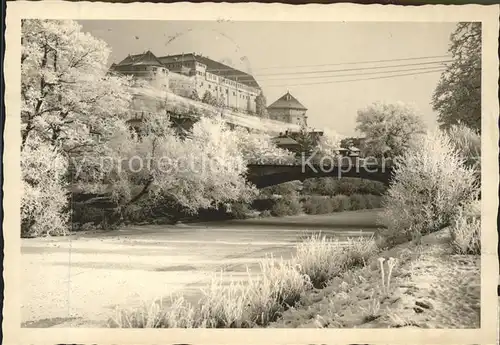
point(335, 202)
point(327, 186)
point(82, 213)
point(348, 186)
point(468, 144)
point(286, 207)
point(370, 187)
point(323, 258)
point(465, 230)
point(358, 202)
point(155, 210)
point(309, 205)
point(325, 206)
point(266, 214)
point(322, 204)
point(240, 210)
point(136, 213)
point(310, 186)
point(430, 183)
point(318, 205)
point(283, 189)
point(341, 203)
point(373, 201)
point(263, 204)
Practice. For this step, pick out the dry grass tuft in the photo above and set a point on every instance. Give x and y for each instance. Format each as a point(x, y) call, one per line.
point(223, 306)
point(279, 288)
point(180, 314)
point(257, 301)
point(372, 310)
point(465, 230)
point(322, 258)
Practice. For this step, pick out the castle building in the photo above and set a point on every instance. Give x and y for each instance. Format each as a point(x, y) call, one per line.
point(144, 66)
point(192, 75)
point(288, 109)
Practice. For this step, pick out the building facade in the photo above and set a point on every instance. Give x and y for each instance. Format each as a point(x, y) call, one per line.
point(193, 76)
point(288, 109)
point(231, 87)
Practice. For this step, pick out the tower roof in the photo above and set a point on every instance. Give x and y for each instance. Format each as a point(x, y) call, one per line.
point(287, 101)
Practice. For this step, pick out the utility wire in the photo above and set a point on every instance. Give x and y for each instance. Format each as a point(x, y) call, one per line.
point(362, 79)
point(357, 62)
point(442, 62)
point(244, 75)
point(244, 80)
point(355, 74)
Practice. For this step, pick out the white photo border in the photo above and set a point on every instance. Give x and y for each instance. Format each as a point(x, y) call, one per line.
point(488, 15)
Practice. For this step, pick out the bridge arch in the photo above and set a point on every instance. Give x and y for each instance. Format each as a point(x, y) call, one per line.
point(267, 175)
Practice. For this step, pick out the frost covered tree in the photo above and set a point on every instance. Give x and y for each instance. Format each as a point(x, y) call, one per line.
point(67, 96)
point(467, 142)
point(431, 183)
point(457, 98)
point(218, 165)
point(388, 128)
point(258, 148)
point(261, 106)
point(203, 170)
point(329, 142)
point(306, 140)
point(45, 197)
point(69, 106)
point(208, 98)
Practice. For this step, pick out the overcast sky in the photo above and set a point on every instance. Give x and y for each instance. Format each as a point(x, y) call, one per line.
point(282, 55)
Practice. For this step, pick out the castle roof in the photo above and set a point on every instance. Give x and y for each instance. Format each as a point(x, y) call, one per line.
point(214, 67)
point(287, 101)
point(144, 59)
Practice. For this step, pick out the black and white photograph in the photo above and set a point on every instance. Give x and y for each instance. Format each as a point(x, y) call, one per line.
point(250, 174)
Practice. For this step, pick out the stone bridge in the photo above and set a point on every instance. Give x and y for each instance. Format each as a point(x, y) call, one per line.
point(265, 175)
